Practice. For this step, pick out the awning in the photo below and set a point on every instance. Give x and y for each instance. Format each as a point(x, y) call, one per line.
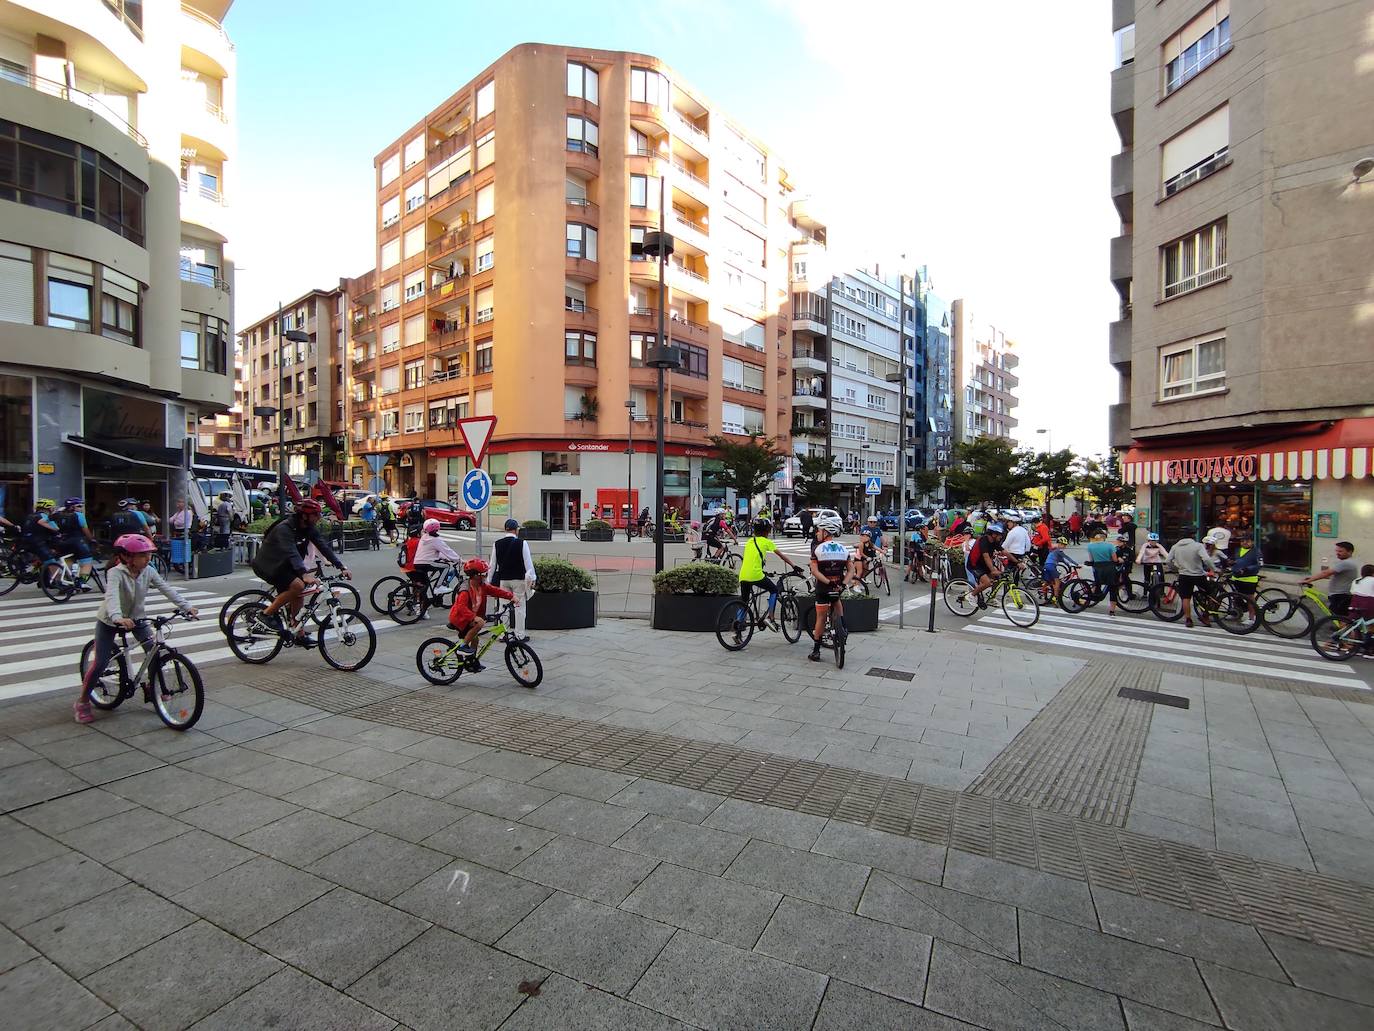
point(1335, 451)
point(127, 451)
point(219, 465)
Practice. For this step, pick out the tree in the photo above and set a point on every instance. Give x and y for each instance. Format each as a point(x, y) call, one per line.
point(926, 482)
point(990, 469)
point(1056, 472)
point(1101, 479)
point(749, 466)
point(815, 478)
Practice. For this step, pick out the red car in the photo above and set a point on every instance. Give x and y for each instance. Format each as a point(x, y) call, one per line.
point(433, 508)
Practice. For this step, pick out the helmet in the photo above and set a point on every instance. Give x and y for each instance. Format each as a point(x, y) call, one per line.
point(431, 526)
point(225, 494)
point(73, 502)
point(126, 502)
point(475, 567)
point(133, 543)
point(696, 525)
point(512, 524)
point(1152, 536)
point(1122, 537)
point(762, 527)
point(1214, 537)
point(1013, 517)
point(830, 524)
point(996, 528)
point(1063, 542)
point(308, 506)
point(872, 519)
point(44, 504)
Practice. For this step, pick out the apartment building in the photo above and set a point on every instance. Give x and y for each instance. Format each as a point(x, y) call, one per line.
point(475, 285)
point(985, 382)
point(304, 380)
point(940, 378)
point(222, 434)
point(1245, 356)
point(115, 277)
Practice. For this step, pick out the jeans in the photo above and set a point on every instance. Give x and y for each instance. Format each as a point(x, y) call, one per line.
point(105, 647)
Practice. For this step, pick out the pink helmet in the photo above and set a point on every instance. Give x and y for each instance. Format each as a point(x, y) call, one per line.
point(431, 526)
point(133, 544)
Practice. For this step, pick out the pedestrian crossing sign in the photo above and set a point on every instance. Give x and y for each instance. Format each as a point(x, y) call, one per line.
point(873, 485)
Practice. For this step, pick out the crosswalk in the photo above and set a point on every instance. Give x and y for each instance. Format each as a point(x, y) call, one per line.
point(1146, 638)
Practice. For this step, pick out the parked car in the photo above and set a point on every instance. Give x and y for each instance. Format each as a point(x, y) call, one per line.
point(447, 514)
point(791, 527)
point(1030, 515)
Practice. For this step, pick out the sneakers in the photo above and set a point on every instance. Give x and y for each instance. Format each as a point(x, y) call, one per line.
point(304, 640)
point(467, 649)
point(814, 655)
point(82, 711)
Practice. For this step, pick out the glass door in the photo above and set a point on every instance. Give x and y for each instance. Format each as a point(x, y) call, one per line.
point(1176, 512)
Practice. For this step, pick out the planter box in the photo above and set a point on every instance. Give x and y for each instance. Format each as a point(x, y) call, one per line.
point(691, 612)
point(214, 563)
point(596, 536)
point(565, 610)
point(674, 538)
point(530, 533)
point(860, 614)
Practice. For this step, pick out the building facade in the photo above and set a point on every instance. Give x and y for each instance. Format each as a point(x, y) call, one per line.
point(1243, 266)
point(222, 434)
point(940, 390)
point(985, 382)
point(511, 281)
point(115, 281)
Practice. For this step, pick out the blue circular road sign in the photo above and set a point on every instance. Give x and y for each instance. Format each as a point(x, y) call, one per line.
point(476, 489)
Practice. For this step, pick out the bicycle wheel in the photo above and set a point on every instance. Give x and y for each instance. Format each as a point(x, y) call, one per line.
point(1233, 614)
point(960, 598)
point(347, 640)
point(97, 579)
point(1132, 595)
point(734, 625)
point(159, 562)
point(731, 561)
point(438, 661)
point(524, 665)
point(56, 585)
point(26, 566)
point(1020, 607)
point(860, 587)
point(883, 581)
point(242, 598)
point(9, 576)
point(381, 589)
point(789, 617)
point(1166, 603)
point(1336, 638)
point(1077, 595)
point(348, 595)
point(1287, 618)
point(841, 636)
point(402, 605)
point(108, 690)
point(178, 694)
point(250, 637)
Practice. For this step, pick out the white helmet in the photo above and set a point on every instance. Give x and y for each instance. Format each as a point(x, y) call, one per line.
point(831, 525)
point(1215, 537)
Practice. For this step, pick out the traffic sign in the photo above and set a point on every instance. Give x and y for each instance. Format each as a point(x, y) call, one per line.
point(476, 489)
point(512, 479)
point(477, 431)
point(873, 485)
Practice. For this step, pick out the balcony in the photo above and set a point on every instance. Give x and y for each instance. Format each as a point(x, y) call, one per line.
point(1123, 103)
point(579, 209)
point(1121, 258)
point(364, 326)
point(690, 183)
point(450, 145)
point(448, 375)
point(689, 233)
point(204, 277)
point(23, 77)
point(685, 329)
point(205, 35)
point(805, 321)
point(694, 137)
point(689, 282)
point(585, 157)
point(448, 243)
point(583, 270)
point(1119, 425)
point(807, 399)
point(1123, 184)
point(1119, 344)
point(580, 317)
point(804, 215)
point(812, 358)
point(204, 206)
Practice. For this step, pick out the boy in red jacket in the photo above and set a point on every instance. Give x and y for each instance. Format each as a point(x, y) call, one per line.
point(471, 602)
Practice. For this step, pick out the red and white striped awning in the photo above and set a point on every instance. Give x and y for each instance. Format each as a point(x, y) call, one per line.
point(1343, 450)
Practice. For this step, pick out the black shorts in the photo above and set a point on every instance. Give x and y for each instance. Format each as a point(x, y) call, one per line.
point(1245, 587)
point(1187, 585)
point(827, 593)
point(282, 578)
point(462, 631)
point(767, 585)
point(78, 547)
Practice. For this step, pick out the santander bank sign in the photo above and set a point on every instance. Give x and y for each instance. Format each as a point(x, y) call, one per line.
point(589, 446)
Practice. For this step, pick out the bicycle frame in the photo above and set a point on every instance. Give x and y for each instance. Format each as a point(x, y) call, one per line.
point(128, 641)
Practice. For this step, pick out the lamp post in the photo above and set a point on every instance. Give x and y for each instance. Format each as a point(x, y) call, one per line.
point(899, 377)
point(296, 336)
point(629, 456)
point(1049, 450)
point(661, 357)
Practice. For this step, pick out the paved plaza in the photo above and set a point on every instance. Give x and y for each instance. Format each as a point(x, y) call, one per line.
point(958, 830)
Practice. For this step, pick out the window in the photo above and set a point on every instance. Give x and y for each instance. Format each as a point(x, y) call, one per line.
point(579, 348)
point(414, 331)
point(639, 191)
point(1199, 43)
point(640, 344)
point(391, 295)
point(735, 418)
point(69, 293)
point(119, 307)
point(483, 358)
point(391, 212)
point(16, 284)
point(753, 378)
point(637, 244)
point(486, 253)
point(1197, 260)
point(581, 241)
point(695, 360)
point(390, 423)
point(1123, 46)
point(741, 330)
point(415, 284)
point(1193, 367)
point(454, 170)
point(486, 150)
point(560, 463)
point(486, 100)
point(732, 372)
point(583, 135)
point(640, 145)
point(415, 152)
point(190, 343)
point(575, 191)
point(415, 195)
point(582, 82)
point(413, 241)
point(486, 304)
point(414, 418)
point(648, 87)
point(1197, 151)
point(391, 337)
point(391, 253)
point(390, 380)
point(574, 296)
point(486, 201)
point(391, 168)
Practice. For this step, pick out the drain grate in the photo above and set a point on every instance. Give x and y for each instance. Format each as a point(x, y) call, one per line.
point(1155, 697)
point(891, 674)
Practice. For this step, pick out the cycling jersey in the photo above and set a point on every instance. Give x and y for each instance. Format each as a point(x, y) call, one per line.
point(982, 549)
point(751, 561)
point(873, 539)
point(832, 560)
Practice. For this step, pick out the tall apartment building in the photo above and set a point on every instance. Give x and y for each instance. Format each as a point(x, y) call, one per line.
point(475, 286)
point(304, 380)
point(222, 434)
point(117, 122)
point(985, 381)
point(940, 378)
point(1245, 356)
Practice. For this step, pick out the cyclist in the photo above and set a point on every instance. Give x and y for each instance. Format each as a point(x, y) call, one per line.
point(1245, 570)
point(1018, 540)
point(1043, 537)
point(76, 537)
point(127, 520)
point(123, 607)
point(386, 512)
point(1152, 559)
point(1193, 562)
point(468, 605)
point(832, 567)
point(39, 533)
point(642, 520)
point(281, 561)
point(713, 532)
point(981, 565)
point(1103, 557)
point(1342, 575)
point(870, 544)
point(751, 574)
point(1058, 567)
point(916, 556)
point(429, 553)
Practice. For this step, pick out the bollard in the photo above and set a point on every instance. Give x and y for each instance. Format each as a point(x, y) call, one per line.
point(930, 625)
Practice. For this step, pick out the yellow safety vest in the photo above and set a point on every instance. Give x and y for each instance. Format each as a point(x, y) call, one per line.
point(1241, 553)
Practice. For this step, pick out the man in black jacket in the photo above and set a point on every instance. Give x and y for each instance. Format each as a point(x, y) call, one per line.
point(280, 559)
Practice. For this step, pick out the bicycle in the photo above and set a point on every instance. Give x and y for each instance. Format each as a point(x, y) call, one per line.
point(62, 581)
point(168, 678)
point(1019, 604)
point(1339, 638)
point(1079, 592)
point(335, 582)
point(440, 661)
point(635, 529)
point(724, 557)
point(1216, 601)
point(738, 619)
point(255, 638)
point(406, 605)
point(834, 636)
point(876, 572)
point(1291, 618)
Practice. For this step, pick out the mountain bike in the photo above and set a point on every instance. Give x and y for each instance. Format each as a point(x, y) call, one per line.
point(1018, 603)
point(1340, 638)
point(334, 582)
point(168, 678)
point(62, 581)
point(407, 603)
point(739, 619)
point(1079, 592)
point(1288, 617)
point(835, 635)
point(874, 578)
point(441, 660)
point(344, 636)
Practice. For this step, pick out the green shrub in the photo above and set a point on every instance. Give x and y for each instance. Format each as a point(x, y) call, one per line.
point(596, 524)
point(696, 578)
point(258, 525)
point(559, 576)
point(535, 524)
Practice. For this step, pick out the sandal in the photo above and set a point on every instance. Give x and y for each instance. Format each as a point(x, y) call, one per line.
point(82, 711)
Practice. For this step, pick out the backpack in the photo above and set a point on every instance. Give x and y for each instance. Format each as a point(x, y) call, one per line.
point(124, 522)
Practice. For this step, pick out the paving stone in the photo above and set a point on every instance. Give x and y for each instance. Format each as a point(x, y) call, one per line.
point(249, 897)
point(510, 765)
point(709, 906)
point(85, 748)
point(251, 729)
point(339, 795)
point(292, 1000)
point(1140, 1017)
point(685, 844)
point(1045, 893)
point(73, 811)
point(830, 882)
point(225, 762)
point(795, 830)
point(991, 992)
point(431, 779)
point(497, 797)
point(36, 781)
point(494, 842)
point(302, 837)
point(284, 711)
point(339, 936)
point(563, 1004)
point(379, 865)
point(584, 781)
point(905, 856)
point(587, 869)
point(715, 986)
point(1171, 830)
point(237, 813)
point(272, 776)
point(761, 741)
point(583, 818)
point(181, 978)
point(1329, 971)
point(173, 747)
point(122, 834)
point(440, 979)
point(445, 750)
point(22, 846)
point(95, 933)
point(477, 902)
point(391, 739)
point(48, 999)
point(181, 862)
point(682, 804)
point(1172, 805)
point(1289, 849)
point(951, 916)
point(12, 753)
point(52, 886)
point(1341, 855)
point(1258, 1004)
point(14, 951)
point(408, 816)
point(366, 762)
point(846, 1008)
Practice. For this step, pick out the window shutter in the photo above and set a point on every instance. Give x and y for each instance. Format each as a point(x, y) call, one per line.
point(414, 241)
point(16, 284)
point(1196, 143)
point(391, 253)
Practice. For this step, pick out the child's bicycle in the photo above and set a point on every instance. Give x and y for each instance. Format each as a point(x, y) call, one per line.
point(440, 660)
point(874, 578)
point(169, 679)
point(835, 633)
point(1019, 604)
point(1340, 638)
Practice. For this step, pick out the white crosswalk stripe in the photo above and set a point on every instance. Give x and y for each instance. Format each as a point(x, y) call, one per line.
point(1144, 637)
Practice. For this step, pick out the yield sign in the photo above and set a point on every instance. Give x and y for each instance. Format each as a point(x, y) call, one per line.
point(477, 431)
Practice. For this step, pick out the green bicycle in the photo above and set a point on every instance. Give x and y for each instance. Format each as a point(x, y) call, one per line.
point(1284, 616)
point(1019, 604)
point(440, 661)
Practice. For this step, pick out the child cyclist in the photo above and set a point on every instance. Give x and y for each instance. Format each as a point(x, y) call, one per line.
point(429, 553)
point(751, 574)
point(123, 608)
point(471, 602)
point(1058, 566)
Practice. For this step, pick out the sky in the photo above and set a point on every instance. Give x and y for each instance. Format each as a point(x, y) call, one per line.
point(972, 138)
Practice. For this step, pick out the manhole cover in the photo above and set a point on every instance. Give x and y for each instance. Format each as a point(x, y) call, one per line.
point(1177, 701)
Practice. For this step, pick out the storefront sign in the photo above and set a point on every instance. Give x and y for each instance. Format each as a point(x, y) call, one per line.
point(46, 469)
point(1218, 469)
point(1327, 524)
point(574, 445)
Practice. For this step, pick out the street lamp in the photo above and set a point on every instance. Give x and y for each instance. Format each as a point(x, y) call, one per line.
point(899, 377)
point(296, 336)
point(629, 457)
point(1049, 450)
point(661, 356)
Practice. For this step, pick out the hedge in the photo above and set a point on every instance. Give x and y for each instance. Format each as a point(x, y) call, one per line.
point(596, 524)
point(559, 576)
point(697, 578)
point(535, 524)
